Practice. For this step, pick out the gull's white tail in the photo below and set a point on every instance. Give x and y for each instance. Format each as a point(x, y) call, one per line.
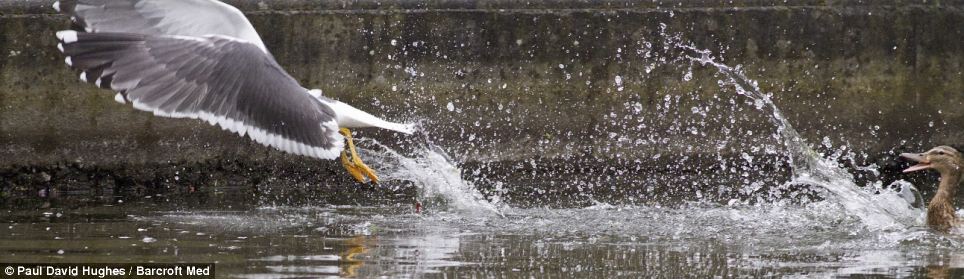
point(351, 117)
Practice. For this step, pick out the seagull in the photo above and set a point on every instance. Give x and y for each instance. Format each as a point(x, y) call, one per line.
point(202, 59)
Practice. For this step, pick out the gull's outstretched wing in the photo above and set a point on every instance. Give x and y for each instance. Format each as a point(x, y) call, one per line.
point(219, 79)
point(193, 18)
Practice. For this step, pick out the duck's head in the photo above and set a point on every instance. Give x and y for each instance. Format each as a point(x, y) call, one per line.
point(943, 159)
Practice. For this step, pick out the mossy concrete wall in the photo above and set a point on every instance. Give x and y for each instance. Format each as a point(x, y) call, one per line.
point(510, 80)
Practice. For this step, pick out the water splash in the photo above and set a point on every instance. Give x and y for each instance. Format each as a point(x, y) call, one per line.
point(880, 209)
point(437, 178)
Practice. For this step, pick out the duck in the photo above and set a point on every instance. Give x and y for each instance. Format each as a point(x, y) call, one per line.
point(948, 162)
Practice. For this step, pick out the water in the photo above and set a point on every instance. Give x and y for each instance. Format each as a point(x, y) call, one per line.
point(438, 180)
point(603, 240)
point(488, 220)
point(877, 208)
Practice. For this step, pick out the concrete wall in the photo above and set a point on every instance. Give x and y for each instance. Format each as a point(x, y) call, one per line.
point(533, 79)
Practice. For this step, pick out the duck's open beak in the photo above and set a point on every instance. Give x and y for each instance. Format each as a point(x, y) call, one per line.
point(922, 163)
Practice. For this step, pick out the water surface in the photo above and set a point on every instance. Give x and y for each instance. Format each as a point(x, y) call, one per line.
point(600, 241)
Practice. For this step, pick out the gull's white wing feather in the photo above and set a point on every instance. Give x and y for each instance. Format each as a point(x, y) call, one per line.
point(194, 18)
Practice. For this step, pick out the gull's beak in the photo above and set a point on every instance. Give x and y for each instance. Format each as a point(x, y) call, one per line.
point(922, 163)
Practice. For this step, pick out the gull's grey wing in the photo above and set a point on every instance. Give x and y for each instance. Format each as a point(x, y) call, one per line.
point(194, 18)
point(222, 80)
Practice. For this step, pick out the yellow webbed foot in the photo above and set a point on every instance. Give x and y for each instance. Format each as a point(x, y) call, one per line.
point(364, 169)
point(350, 167)
point(356, 168)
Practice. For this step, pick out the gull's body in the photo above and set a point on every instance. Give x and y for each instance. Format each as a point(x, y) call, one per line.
point(202, 59)
point(948, 162)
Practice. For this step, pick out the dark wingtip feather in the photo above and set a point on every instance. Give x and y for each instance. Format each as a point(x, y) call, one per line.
point(93, 53)
point(67, 7)
point(105, 81)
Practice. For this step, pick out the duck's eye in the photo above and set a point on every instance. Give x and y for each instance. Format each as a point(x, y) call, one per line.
point(940, 152)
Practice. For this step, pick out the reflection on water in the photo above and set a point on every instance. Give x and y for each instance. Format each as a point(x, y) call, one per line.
point(599, 241)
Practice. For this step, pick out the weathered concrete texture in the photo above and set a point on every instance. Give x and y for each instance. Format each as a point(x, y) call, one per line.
point(214, 183)
point(525, 82)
